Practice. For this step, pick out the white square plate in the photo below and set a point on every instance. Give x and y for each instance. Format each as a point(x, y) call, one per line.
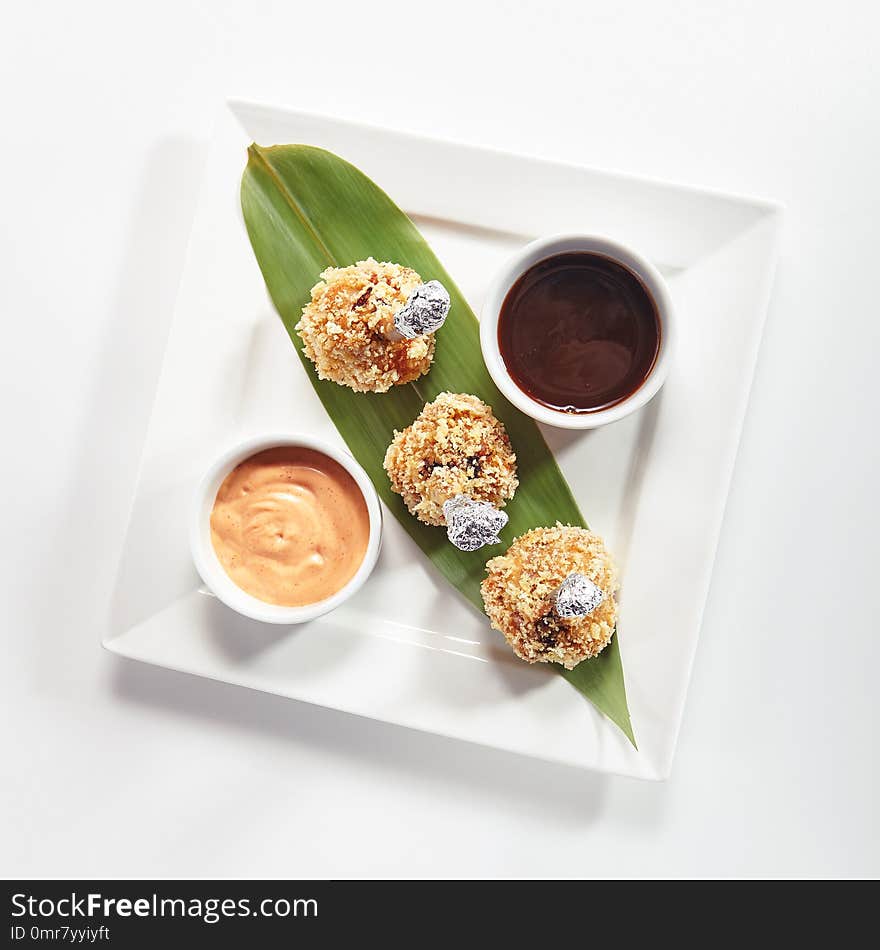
point(407, 649)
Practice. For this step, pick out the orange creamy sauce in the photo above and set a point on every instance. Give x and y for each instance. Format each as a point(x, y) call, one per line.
point(290, 526)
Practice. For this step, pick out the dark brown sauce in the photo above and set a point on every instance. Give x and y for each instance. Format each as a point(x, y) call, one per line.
point(579, 332)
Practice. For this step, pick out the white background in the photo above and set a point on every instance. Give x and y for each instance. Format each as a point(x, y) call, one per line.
point(110, 768)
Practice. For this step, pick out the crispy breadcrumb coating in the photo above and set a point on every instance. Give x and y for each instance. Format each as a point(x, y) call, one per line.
point(345, 327)
point(455, 446)
point(519, 588)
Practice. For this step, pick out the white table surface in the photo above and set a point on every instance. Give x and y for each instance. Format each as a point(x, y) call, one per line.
point(111, 768)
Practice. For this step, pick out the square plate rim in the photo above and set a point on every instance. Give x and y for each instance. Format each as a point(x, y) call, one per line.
point(769, 206)
point(766, 208)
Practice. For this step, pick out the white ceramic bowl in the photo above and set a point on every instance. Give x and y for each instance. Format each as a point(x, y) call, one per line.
point(210, 568)
point(548, 247)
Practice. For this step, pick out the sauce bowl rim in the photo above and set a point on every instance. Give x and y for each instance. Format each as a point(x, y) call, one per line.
point(546, 247)
point(211, 571)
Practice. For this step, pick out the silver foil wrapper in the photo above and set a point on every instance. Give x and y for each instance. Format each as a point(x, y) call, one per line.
point(424, 312)
point(577, 596)
point(470, 524)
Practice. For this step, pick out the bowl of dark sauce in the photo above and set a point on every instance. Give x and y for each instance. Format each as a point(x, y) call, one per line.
point(577, 331)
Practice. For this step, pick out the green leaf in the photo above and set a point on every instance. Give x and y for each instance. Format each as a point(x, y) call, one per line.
point(306, 209)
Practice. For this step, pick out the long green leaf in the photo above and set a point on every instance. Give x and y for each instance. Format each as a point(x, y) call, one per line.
point(306, 209)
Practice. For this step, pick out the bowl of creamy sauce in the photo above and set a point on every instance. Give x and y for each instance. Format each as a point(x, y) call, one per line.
point(286, 528)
